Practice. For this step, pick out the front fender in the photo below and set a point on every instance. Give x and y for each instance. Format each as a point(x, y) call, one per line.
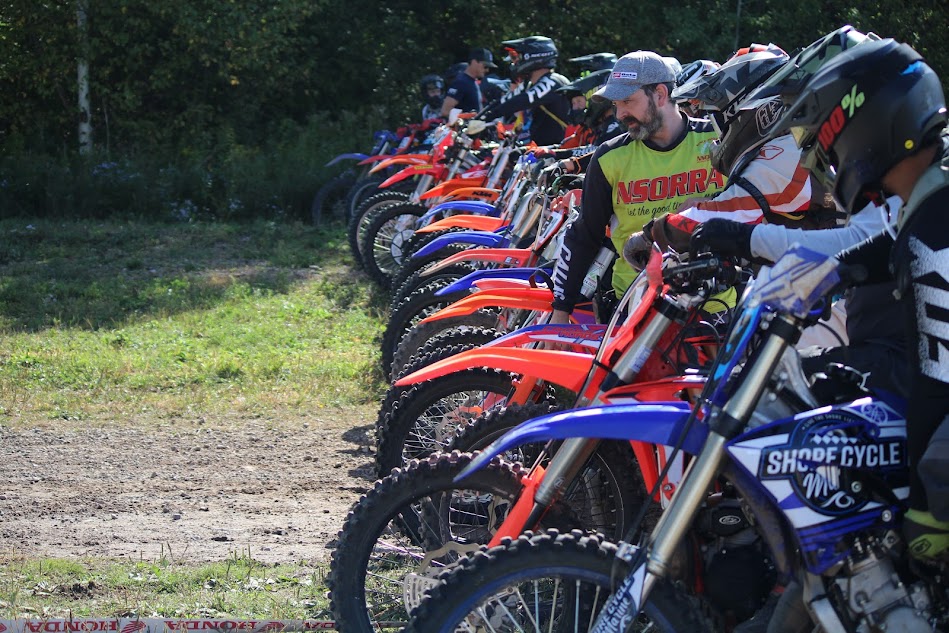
point(475, 238)
point(504, 256)
point(471, 207)
point(653, 423)
point(387, 161)
point(568, 369)
point(352, 156)
point(520, 298)
point(471, 279)
point(585, 335)
point(478, 222)
point(411, 172)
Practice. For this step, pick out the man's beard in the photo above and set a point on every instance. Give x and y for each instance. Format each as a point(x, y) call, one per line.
point(641, 130)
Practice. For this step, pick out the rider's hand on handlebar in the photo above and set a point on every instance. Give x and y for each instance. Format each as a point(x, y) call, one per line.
point(636, 250)
point(722, 237)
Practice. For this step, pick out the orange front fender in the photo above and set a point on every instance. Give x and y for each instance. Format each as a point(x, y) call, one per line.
point(505, 256)
point(405, 159)
point(474, 222)
point(568, 369)
point(517, 297)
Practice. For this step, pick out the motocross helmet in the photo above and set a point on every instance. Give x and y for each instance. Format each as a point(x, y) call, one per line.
point(595, 108)
point(528, 54)
point(745, 132)
point(428, 82)
point(594, 62)
point(864, 111)
point(788, 81)
point(722, 91)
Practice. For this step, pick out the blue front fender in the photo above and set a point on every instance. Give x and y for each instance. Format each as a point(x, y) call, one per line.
point(469, 280)
point(342, 157)
point(654, 423)
point(472, 207)
point(475, 238)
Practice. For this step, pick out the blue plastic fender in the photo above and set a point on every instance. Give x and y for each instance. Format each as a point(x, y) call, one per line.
point(476, 238)
point(654, 423)
point(468, 281)
point(342, 157)
point(473, 207)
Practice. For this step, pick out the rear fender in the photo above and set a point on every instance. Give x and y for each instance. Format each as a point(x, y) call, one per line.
point(568, 369)
point(651, 423)
point(520, 298)
point(475, 238)
point(473, 278)
point(503, 256)
point(353, 156)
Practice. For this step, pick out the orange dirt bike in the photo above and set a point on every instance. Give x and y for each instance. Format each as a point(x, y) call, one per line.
point(460, 165)
point(438, 285)
point(417, 520)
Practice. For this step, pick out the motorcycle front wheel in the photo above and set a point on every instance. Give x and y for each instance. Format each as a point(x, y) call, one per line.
point(551, 583)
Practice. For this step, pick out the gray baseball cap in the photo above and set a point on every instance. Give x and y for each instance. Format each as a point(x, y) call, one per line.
point(633, 71)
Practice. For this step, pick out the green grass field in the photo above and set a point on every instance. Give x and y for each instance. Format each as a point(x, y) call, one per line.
point(105, 321)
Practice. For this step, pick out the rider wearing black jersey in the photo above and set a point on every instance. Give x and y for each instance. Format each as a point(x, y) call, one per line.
point(838, 118)
point(533, 59)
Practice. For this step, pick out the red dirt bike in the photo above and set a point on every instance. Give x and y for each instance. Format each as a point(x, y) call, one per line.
point(417, 521)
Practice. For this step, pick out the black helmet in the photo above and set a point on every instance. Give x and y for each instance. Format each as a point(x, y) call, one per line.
point(595, 61)
point(863, 112)
point(528, 54)
point(746, 132)
point(591, 114)
point(788, 81)
point(428, 82)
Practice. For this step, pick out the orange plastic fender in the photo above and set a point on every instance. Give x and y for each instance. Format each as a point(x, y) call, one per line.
point(505, 256)
point(517, 297)
point(405, 159)
point(475, 222)
point(453, 190)
point(450, 186)
point(568, 369)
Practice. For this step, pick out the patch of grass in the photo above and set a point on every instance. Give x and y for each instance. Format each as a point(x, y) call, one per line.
point(105, 319)
point(239, 587)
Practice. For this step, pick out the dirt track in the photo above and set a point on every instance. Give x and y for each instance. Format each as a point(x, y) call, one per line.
point(196, 491)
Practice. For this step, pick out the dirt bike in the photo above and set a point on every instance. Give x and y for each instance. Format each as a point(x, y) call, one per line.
point(417, 521)
point(384, 223)
point(339, 196)
point(444, 281)
point(435, 400)
point(819, 492)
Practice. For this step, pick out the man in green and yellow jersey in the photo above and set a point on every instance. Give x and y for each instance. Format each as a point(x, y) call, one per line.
point(659, 163)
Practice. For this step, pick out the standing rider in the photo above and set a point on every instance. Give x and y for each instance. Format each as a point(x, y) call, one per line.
point(533, 59)
point(464, 93)
point(661, 161)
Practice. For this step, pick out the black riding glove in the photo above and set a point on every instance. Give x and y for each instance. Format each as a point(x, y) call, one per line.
point(722, 237)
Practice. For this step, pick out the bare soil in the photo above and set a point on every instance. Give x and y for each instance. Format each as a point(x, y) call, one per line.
point(202, 490)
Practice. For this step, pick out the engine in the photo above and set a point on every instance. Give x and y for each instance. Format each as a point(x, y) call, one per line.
point(875, 597)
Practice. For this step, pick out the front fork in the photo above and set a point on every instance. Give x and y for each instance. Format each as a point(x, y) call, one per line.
point(725, 423)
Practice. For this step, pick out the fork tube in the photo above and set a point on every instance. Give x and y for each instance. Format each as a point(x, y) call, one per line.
point(629, 364)
point(423, 185)
point(725, 424)
point(563, 468)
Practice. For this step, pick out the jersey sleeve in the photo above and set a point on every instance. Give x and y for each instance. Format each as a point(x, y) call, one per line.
point(583, 238)
point(534, 96)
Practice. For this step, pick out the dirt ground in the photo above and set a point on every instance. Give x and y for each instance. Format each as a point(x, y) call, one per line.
point(190, 490)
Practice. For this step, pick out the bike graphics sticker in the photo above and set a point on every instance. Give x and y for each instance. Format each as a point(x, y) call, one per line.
point(826, 455)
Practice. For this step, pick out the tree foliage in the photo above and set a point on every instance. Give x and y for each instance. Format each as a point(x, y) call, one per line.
point(183, 74)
